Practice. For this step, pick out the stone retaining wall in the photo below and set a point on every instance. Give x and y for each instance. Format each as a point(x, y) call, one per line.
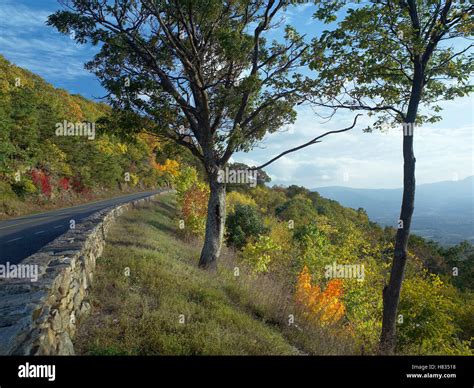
point(39, 318)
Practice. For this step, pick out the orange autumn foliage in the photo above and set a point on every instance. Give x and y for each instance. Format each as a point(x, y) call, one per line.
point(320, 306)
point(170, 166)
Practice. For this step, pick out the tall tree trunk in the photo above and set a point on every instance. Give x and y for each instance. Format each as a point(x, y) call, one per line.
point(214, 225)
point(391, 292)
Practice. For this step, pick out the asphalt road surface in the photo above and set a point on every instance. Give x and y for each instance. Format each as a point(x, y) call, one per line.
point(20, 237)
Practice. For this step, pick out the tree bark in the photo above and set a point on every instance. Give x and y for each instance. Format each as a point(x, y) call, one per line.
point(391, 292)
point(215, 225)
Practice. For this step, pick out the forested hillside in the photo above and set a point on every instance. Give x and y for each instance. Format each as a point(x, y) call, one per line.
point(306, 244)
point(41, 166)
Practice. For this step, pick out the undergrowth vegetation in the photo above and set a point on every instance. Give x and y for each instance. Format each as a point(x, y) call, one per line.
point(150, 298)
point(334, 262)
point(270, 297)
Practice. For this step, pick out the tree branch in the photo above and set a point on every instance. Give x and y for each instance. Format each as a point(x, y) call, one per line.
point(311, 142)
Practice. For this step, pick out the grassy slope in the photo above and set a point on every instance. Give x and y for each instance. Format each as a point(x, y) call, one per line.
point(140, 314)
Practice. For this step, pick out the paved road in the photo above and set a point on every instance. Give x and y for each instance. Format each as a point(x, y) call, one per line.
point(23, 236)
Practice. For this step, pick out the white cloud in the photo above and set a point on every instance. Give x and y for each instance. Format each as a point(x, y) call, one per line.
point(359, 159)
point(14, 15)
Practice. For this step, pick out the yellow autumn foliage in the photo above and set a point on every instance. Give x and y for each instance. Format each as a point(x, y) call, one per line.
point(235, 198)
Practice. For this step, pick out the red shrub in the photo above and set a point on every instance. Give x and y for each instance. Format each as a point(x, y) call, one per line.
point(64, 183)
point(41, 180)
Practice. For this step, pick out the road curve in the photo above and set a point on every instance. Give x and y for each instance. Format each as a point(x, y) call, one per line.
point(20, 237)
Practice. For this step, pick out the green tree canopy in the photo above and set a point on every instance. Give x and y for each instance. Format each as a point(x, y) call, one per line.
point(202, 71)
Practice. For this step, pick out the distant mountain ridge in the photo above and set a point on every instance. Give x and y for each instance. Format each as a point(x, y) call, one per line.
point(444, 211)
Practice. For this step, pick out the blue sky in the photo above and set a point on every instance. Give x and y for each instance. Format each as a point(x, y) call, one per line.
point(444, 151)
